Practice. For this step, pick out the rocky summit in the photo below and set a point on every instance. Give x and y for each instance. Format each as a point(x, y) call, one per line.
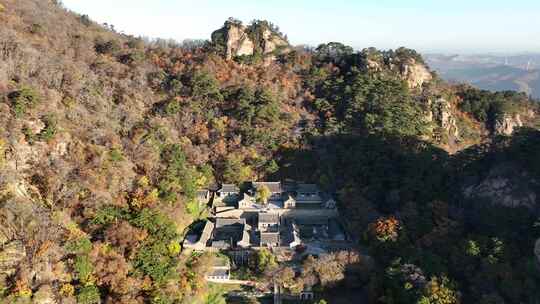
point(259, 38)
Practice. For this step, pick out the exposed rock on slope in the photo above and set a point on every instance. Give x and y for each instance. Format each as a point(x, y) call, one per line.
point(445, 117)
point(236, 39)
point(405, 63)
point(257, 38)
point(507, 124)
point(415, 74)
point(506, 185)
point(11, 254)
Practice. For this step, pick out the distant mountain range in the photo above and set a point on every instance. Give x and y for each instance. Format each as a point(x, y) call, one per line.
point(490, 72)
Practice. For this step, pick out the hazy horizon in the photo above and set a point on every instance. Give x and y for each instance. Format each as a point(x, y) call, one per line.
point(449, 27)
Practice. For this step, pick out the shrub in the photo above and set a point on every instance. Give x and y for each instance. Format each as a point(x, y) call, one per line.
point(115, 155)
point(263, 260)
point(193, 207)
point(88, 295)
point(385, 229)
point(235, 171)
point(132, 58)
point(172, 107)
point(107, 215)
point(67, 290)
point(135, 43)
point(85, 20)
point(263, 194)
point(179, 176)
point(83, 269)
point(439, 291)
point(36, 28)
point(157, 224)
point(22, 290)
point(256, 58)
point(124, 237)
point(24, 99)
point(50, 129)
point(80, 246)
point(174, 248)
point(174, 86)
point(28, 135)
point(154, 260)
point(205, 86)
point(107, 47)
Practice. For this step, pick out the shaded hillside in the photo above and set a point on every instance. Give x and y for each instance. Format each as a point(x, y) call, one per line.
point(471, 217)
point(105, 138)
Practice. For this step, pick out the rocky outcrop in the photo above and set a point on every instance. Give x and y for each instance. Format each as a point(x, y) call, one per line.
point(506, 185)
point(415, 73)
point(44, 296)
point(507, 124)
point(404, 63)
point(235, 38)
point(11, 254)
point(239, 40)
point(272, 41)
point(444, 117)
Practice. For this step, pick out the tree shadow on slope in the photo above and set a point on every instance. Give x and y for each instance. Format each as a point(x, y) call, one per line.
point(386, 173)
point(386, 170)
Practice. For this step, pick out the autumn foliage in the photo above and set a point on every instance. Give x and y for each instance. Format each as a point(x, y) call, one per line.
point(385, 229)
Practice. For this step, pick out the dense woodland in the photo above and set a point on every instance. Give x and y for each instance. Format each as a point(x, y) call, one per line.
point(105, 138)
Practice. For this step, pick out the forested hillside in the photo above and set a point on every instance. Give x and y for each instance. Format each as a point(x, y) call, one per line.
point(105, 138)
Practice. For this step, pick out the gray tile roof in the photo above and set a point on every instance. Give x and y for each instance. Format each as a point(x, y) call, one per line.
point(272, 218)
point(229, 188)
point(307, 188)
point(203, 194)
point(312, 221)
point(269, 238)
point(275, 187)
point(229, 231)
point(219, 273)
point(222, 222)
point(207, 232)
point(221, 244)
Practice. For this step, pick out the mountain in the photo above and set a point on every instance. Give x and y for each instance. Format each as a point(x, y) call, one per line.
point(106, 141)
point(489, 72)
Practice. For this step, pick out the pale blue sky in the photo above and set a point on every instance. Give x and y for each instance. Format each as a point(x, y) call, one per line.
point(426, 25)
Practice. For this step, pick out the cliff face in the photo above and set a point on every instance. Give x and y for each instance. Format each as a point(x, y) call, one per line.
point(236, 40)
point(415, 73)
point(445, 117)
point(239, 40)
